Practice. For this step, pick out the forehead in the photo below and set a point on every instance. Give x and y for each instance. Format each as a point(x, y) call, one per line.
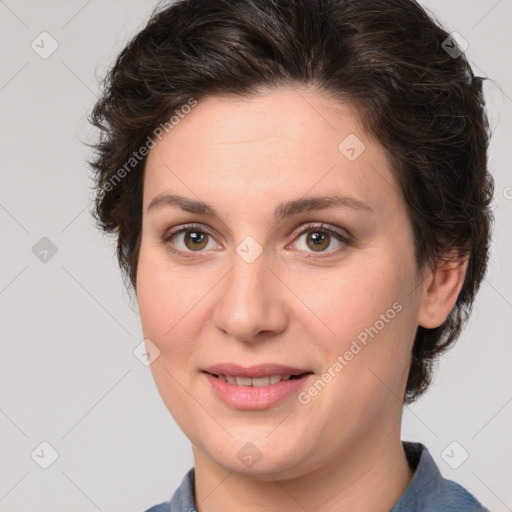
point(285, 142)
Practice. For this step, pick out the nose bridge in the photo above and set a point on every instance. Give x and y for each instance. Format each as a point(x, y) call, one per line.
point(250, 302)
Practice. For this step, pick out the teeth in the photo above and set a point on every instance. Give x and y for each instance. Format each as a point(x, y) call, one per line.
point(255, 382)
point(243, 381)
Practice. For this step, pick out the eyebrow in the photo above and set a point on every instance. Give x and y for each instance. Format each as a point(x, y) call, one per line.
point(283, 210)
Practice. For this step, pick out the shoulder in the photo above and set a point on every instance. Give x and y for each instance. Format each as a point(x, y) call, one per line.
point(162, 507)
point(183, 498)
point(429, 491)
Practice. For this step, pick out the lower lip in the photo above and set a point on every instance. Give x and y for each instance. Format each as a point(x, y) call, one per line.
point(251, 397)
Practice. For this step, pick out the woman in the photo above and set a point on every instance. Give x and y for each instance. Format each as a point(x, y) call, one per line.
point(300, 195)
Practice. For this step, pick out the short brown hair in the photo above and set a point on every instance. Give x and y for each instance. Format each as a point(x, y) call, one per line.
point(388, 57)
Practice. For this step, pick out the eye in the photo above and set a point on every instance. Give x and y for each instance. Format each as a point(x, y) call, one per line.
point(319, 238)
point(193, 238)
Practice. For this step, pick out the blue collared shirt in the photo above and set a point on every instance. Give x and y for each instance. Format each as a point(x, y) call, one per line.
point(428, 491)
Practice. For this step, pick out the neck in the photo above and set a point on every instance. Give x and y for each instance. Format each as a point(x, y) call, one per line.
point(368, 477)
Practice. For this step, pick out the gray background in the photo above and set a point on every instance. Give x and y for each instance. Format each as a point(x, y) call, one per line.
point(68, 375)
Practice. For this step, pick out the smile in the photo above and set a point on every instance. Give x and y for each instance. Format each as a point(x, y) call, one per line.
point(256, 393)
point(256, 382)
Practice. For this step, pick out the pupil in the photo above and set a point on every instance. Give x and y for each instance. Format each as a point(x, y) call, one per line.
point(318, 239)
point(196, 238)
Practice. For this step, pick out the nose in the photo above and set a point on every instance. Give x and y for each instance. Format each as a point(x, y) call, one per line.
point(250, 303)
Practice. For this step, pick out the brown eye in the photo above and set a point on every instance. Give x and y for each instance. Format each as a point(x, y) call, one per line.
point(195, 240)
point(188, 239)
point(318, 240)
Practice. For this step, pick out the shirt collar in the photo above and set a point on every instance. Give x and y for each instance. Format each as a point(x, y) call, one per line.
point(428, 491)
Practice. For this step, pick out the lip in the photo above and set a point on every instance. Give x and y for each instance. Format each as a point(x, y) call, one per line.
point(251, 397)
point(259, 370)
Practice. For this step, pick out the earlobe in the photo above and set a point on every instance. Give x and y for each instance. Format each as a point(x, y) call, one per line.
point(441, 289)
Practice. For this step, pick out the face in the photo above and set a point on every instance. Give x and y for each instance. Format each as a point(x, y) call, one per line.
point(326, 289)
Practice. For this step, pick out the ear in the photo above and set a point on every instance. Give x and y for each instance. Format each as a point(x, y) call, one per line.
point(441, 289)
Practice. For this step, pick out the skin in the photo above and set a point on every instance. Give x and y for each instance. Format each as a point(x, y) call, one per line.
point(342, 450)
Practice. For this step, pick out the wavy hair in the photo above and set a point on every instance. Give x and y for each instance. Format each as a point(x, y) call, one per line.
point(388, 57)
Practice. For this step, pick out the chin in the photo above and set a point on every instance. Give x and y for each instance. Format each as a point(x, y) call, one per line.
point(259, 457)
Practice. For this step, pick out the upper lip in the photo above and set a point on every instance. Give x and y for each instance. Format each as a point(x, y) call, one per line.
point(259, 370)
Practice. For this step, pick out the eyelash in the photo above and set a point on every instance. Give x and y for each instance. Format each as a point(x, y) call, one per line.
point(321, 228)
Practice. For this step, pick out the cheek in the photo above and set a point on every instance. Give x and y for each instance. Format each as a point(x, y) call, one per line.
point(167, 297)
point(370, 313)
point(352, 300)
point(160, 308)
point(173, 305)
point(168, 316)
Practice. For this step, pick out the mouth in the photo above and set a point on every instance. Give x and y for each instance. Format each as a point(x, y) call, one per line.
point(257, 382)
point(255, 387)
